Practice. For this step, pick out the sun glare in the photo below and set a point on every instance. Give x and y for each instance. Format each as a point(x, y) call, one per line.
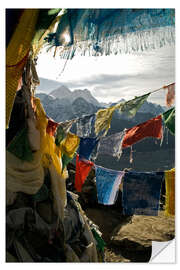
point(67, 38)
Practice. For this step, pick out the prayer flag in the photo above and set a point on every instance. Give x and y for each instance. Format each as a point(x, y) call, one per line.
point(170, 192)
point(141, 193)
point(112, 31)
point(85, 126)
point(17, 54)
point(86, 147)
point(111, 145)
point(103, 120)
point(65, 161)
point(132, 106)
point(51, 127)
point(67, 125)
point(20, 146)
point(170, 94)
point(83, 168)
point(70, 144)
point(150, 128)
point(169, 120)
point(60, 135)
point(107, 184)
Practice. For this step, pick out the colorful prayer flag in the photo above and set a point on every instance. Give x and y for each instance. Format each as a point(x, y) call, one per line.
point(60, 135)
point(67, 125)
point(141, 193)
point(17, 54)
point(20, 146)
point(150, 128)
point(170, 192)
point(70, 144)
point(83, 168)
point(51, 127)
point(132, 106)
point(65, 161)
point(169, 120)
point(86, 147)
point(111, 145)
point(103, 120)
point(85, 126)
point(170, 97)
point(107, 184)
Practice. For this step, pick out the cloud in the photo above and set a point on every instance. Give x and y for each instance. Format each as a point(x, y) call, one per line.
point(124, 76)
point(108, 88)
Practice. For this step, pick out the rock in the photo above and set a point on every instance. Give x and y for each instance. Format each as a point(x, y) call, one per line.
point(129, 238)
point(145, 229)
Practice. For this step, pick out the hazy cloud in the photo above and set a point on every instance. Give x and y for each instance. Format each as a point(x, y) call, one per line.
point(124, 76)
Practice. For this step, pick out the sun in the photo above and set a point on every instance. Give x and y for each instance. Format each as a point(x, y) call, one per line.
point(66, 37)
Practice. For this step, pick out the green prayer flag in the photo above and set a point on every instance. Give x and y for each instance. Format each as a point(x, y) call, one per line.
point(20, 146)
point(132, 106)
point(169, 120)
point(100, 244)
point(60, 135)
point(65, 161)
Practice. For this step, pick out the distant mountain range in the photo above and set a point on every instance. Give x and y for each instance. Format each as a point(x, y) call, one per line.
point(64, 92)
point(63, 104)
point(56, 89)
point(69, 106)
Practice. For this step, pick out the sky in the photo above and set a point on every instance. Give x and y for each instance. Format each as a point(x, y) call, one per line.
point(111, 78)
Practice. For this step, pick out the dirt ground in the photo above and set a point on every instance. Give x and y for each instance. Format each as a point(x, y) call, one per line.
point(128, 239)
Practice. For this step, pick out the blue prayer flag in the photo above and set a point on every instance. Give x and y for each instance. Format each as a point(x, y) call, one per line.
point(86, 147)
point(107, 184)
point(141, 193)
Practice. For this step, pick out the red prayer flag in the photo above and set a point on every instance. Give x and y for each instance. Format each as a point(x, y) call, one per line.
point(150, 128)
point(51, 127)
point(170, 94)
point(83, 168)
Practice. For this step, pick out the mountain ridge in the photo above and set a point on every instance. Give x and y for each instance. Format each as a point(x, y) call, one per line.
point(64, 92)
point(79, 102)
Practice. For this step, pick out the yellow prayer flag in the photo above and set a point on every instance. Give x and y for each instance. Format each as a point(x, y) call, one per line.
point(103, 119)
point(70, 144)
point(16, 55)
point(51, 153)
point(170, 192)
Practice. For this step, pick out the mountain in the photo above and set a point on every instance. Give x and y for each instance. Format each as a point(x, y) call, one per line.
point(62, 104)
point(80, 107)
point(65, 108)
point(86, 94)
point(152, 107)
point(64, 92)
point(57, 90)
point(61, 92)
